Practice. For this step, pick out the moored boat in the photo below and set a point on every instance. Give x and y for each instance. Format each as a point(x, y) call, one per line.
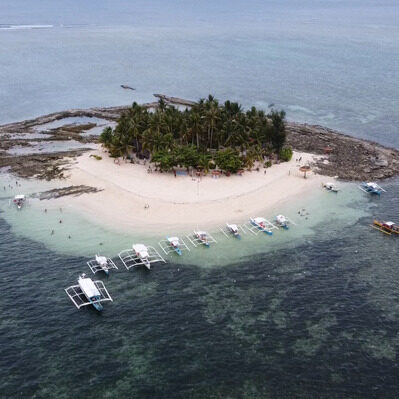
point(174, 242)
point(371, 188)
point(262, 224)
point(331, 187)
point(88, 292)
point(91, 292)
point(282, 221)
point(233, 229)
point(19, 200)
point(388, 227)
point(142, 253)
point(202, 236)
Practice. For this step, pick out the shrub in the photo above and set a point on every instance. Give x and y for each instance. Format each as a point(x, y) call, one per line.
point(268, 164)
point(228, 160)
point(285, 154)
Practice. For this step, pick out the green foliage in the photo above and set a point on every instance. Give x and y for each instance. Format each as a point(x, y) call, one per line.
point(106, 136)
point(228, 160)
point(278, 134)
point(186, 138)
point(97, 157)
point(268, 164)
point(187, 156)
point(205, 162)
point(164, 160)
point(285, 154)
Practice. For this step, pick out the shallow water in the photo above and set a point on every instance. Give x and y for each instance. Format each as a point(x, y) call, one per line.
point(314, 319)
point(72, 120)
point(37, 147)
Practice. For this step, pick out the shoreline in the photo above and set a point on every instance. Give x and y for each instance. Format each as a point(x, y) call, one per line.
point(341, 155)
point(178, 203)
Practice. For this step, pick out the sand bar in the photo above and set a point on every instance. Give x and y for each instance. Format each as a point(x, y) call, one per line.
point(133, 199)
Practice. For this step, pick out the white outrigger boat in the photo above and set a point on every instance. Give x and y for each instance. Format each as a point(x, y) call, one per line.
point(331, 187)
point(201, 238)
point(88, 292)
point(19, 200)
point(173, 244)
point(371, 188)
point(262, 224)
point(283, 221)
point(232, 230)
point(101, 263)
point(139, 255)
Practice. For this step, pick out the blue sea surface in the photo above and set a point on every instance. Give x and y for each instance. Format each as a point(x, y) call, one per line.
point(326, 62)
point(317, 318)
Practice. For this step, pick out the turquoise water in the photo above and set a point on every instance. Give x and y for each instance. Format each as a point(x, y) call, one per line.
point(314, 318)
point(308, 313)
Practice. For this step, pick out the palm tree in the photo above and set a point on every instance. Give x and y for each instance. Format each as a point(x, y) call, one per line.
point(204, 162)
point(195, 122)
point(212, 116)
point(207, 125)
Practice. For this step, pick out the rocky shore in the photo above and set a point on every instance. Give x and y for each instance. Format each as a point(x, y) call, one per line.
point(343, 156)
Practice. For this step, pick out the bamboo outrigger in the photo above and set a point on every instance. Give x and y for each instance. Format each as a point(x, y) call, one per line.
point(386, 227)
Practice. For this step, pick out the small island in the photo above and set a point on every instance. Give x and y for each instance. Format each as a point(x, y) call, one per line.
point(204, 136)
point(115, 164)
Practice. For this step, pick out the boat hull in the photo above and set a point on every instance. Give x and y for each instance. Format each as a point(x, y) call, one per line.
point(268, 232)
point(96, 305)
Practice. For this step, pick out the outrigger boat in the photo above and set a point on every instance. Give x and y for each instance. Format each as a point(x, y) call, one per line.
point(262, 224)
point(283, 221)
point(200, 238)
point(101, 263)
point(233, 229)
point(88, 292)
point(331, 187)
point(386, 227)
point(173, 244)
point(140, 255)
point(19, 200)
point(371, 188)
point(203, 237)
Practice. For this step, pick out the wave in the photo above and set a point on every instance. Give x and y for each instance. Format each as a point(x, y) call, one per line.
point(21, 27)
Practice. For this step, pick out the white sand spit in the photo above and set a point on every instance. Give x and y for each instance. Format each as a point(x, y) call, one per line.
point(183, 202)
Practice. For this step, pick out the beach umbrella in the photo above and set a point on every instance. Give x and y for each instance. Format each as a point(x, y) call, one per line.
point(305, 169)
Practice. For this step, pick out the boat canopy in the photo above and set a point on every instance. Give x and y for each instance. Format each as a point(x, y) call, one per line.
point(141, 250)
point(233, 226)
point(373, 185)
point(101, 260)
point(259, 220)
point(390, 223)
point(281, 218)
point(19, 197)
point(201, 233)
point(173, 239)
point(87, 286)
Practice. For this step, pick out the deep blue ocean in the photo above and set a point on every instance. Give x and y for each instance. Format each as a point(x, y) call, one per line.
point(316, 320)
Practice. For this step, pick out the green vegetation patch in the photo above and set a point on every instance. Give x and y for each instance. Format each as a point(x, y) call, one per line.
point(206, 136)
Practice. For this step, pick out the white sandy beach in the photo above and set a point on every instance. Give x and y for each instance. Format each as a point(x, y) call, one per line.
point(180, 203)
